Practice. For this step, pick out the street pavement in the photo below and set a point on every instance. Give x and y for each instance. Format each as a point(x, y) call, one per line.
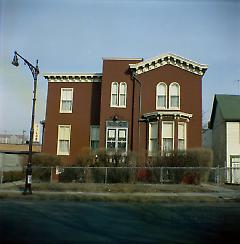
point(117, 222)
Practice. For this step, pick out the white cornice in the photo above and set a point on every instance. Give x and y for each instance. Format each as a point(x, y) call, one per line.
point(171, 59)
point(176, 114)
point(73, 77)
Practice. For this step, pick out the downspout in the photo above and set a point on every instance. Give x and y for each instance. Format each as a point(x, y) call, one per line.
point(133, 93)
point(133, 76)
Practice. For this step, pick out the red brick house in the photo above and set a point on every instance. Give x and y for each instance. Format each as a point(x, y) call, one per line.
point(134, 104)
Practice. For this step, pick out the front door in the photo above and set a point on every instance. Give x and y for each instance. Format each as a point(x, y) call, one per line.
point(117, 136)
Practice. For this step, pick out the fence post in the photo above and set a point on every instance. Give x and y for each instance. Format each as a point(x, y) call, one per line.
point(161, 175)
point(218, 175)
point(106, 172)
point(2, 173)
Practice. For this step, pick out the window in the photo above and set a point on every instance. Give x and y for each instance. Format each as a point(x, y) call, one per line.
point(114, 94)
point(119, 94)
point(167, 136)
point(122, 94)
point(153, 138)
point(64, 132)
point(174, 93)
point(161, 96)
point(181, 136)
point(94, 137)
point(116, 138)
point(66, 100)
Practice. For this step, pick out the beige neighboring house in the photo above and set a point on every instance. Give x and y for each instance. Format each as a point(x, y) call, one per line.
point(225, 126)
point(12, 155)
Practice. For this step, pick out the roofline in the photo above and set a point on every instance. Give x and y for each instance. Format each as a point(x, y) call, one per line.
point(172, 55)
point(119, 58)
point(169, 58)
point(73, 77)
point(61, 74)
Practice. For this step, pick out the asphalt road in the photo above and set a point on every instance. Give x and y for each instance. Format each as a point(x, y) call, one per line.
point(111, 222)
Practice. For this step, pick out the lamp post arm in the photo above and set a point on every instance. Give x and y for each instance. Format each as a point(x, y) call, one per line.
point(34, 70)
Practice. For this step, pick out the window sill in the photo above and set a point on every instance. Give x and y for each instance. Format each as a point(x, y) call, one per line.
point(161, 108)
point(111, 106)
point(63, 154)
point(174, 108)
point(65, 112)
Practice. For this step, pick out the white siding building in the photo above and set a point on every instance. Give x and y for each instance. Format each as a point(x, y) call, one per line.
point(225, 126)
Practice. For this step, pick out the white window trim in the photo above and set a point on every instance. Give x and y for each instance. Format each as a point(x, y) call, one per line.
point(167, 122)
point(169, 98)
point(161, 108)
point(150, 153)
point(185, 134)
point(116, 128)
point(119, 94)
point(58, 151)
point(65, 111)
point(111, 103)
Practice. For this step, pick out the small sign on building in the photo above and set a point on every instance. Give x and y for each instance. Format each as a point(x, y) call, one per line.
point(36, 133)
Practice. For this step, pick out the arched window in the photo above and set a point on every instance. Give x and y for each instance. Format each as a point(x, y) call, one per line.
point(174, 96)
point(114, 94)
point(123, 94)
point(161, 96)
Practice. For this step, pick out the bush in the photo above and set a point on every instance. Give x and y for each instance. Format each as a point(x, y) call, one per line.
point(105, 158)
point(45, 159)
point(11, 176)
point(199, 157)
point(41, 174)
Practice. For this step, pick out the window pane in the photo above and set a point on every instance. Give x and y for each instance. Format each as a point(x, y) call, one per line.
point(122, 100)
point(167, 144)
point(161, 89)
point(175, 101)
point(64, 146)
point(161, 101)
point(123, 88)
point(66, 94)
point(174, 90)
point(94, 145)
point(114, 99)
point(122, 134)
point(153, 147)
point(114, 88)
point(181, 144)
point(66, 106)
point(111, 145)
point(167, 130)
point(122, 145)
point(112, 134)
point(64, 132)
point(181, 131)
point(94, 133)
point(153, 130)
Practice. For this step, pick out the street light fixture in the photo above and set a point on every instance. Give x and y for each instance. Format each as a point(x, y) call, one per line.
point(35, 72)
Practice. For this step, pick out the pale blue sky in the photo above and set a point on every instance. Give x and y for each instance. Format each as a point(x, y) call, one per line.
point(73, 36)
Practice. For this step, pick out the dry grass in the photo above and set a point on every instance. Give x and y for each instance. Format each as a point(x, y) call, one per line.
point(114, 188)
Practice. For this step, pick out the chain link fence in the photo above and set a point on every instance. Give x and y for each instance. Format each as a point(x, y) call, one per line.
point(110, 175)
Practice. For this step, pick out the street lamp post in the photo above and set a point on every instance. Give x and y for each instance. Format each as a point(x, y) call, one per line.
point(35, 72)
